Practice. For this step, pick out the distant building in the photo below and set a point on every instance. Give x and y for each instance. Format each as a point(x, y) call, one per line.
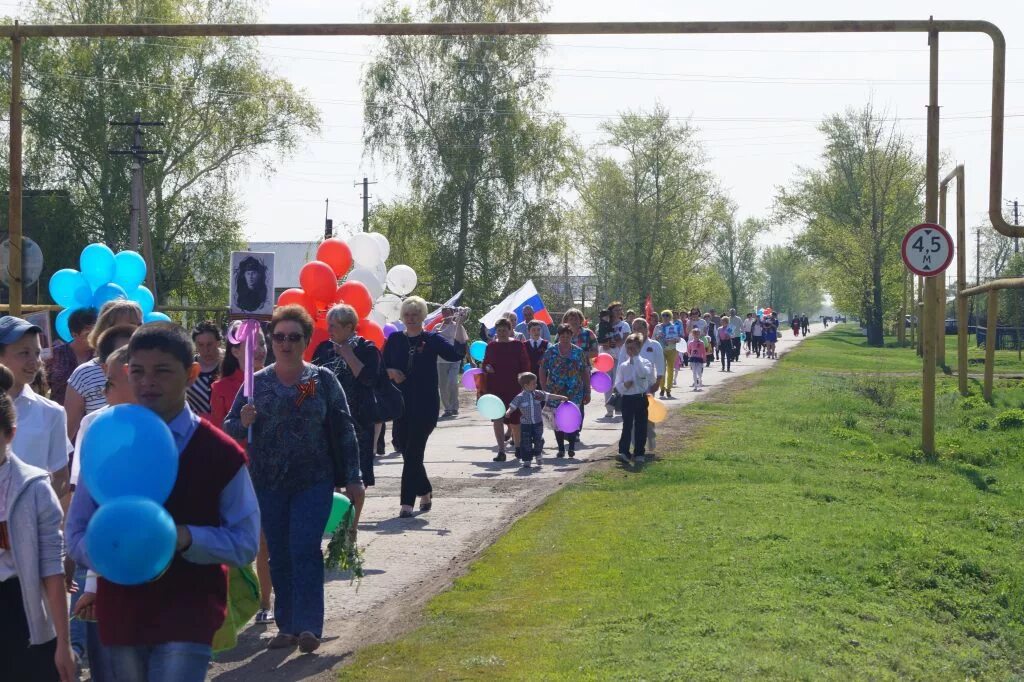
point(289, 257)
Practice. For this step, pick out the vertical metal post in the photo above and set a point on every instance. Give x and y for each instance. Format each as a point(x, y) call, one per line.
point(930, 283)
point(919, 315)
point(991, 336)
point(901, 324)
point(940, 342)
point(961, 281)
point(16, 180)
point(913, 312)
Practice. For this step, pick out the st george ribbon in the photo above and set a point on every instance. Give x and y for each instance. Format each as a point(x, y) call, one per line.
point(245, 335)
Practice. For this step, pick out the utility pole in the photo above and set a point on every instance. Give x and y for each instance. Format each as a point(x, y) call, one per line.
point(139, 212)
point(1016, 221)
point(366, 202)
point(328, 223)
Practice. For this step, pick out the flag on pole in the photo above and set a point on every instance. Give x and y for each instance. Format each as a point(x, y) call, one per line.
point(434, 318)
point(525, 295)
point(649, 313)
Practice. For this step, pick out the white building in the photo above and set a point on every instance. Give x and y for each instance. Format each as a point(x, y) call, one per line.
point(289, 257)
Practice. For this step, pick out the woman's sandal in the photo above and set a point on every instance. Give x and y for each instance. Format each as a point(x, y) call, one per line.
point(425, 506)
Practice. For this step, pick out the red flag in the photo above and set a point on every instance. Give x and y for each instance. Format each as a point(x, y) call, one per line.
point(649, 313)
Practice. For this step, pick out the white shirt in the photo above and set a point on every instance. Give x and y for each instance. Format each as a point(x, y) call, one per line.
point(621, 329)
point(650, 351)
point(42, 436)
point(737, 325)
point(76, 464)
point(7, 568)
point(747, 322)
point(639, 371)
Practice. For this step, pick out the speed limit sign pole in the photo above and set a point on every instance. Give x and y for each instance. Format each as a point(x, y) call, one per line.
point(927, 251)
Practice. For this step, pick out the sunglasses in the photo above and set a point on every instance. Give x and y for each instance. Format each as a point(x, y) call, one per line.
point(294, 337)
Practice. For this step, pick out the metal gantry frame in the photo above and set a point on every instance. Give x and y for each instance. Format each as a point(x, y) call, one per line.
point(18, 33)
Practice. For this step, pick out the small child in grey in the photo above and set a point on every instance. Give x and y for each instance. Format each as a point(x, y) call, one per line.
point(530, 403)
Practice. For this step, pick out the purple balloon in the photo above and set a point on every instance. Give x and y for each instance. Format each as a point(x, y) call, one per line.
point(389, 329)
point(600, 382)
point(469, 378)
point(568, 418)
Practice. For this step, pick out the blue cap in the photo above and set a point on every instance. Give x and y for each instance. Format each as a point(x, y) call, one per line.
point(13, 328)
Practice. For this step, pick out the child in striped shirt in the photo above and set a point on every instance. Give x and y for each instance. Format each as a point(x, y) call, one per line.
point(530, 403)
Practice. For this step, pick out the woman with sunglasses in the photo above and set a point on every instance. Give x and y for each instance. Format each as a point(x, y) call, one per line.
point(410, 359)
point(299, 414)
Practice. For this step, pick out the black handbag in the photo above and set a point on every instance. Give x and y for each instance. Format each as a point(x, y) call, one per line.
point(389, 402)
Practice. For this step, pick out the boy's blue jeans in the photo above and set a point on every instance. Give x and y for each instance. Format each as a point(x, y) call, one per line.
point(169, 662)
point(531, 441)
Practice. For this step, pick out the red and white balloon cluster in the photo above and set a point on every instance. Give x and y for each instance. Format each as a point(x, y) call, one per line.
point(358, 263)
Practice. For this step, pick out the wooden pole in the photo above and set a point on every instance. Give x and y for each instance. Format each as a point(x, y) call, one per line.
point(16, 181)
point(991, 336)
point(901, 324)
point(930, 283)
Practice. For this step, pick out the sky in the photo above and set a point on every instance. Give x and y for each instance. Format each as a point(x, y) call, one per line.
point(757, 100)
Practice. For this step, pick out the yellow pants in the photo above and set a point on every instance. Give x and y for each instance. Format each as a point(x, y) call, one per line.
point(670, 368)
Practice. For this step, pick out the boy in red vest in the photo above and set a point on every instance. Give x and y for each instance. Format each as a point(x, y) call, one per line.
point(162, 631)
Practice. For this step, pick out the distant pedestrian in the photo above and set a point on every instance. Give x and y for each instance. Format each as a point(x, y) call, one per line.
point(448, 371)
point(523, 328)
point(65, 358)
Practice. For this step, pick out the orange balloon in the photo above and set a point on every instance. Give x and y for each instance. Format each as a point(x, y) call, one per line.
point(356, 295)
point(335, 253)
point(297, 297)
point(319, 336)
point(371, 331)
point(319, 281)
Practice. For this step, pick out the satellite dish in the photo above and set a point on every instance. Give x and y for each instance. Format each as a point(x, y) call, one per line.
point(31, 262)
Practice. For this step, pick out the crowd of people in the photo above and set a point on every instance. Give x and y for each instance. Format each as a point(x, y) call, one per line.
point(257, 473)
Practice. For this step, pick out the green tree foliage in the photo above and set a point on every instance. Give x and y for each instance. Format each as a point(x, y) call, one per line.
point(463, 118)
point(222, 108)
point(787, 282)
point(650, 208)
point(855, 211)
point(735, 255)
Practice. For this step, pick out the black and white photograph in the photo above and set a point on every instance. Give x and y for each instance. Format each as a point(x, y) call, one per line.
point(252, 284)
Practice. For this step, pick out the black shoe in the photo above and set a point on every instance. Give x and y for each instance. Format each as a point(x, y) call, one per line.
point(572, 451)
point(500, 458)
point(561, 453)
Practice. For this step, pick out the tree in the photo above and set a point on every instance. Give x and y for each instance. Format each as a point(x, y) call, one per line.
point(736, 255)
point(650, 205)
point(222, 108)
point(463, 117)
point(787, 282)
point(855, 211)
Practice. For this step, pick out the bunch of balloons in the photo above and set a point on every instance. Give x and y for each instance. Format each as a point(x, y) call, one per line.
point(103, 276)
point(130, 466)
point(358, 263)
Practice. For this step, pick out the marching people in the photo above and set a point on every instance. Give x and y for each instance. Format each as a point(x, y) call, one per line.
point(736, 329)
point(619, 330)
point(505, 359)
point(207, 338)
point(725, 344)
point(667, 334)
point(448, 371)
point(523, 328)
point(410, 358)
point(582, 336)
point(162, 630)
point(303, 447)
point(529, 403)
point(536, 347)
point(565, 370)
point(635, 379)
point(653, 352)
point(698, 355)
point(65, 358)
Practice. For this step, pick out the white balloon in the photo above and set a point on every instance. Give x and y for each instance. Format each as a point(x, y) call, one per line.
point(380, 271)
point(390, 306)
point(366, 276)
point(365, 249)
point(378, 318)
point(402, 280)
point(383, 244)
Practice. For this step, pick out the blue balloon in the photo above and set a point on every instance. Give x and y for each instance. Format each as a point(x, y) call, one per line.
point(490, 406)
point(466, 367)
point(143, 296)
point(155, 317)
point(106, 293)
point(70, 289)
point(61, 323)
point(97, 264)
point(477, 350)
point(131, 540)
point(129, 450)
point(129, 269)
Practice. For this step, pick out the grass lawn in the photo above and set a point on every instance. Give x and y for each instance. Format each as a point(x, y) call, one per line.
point(793, 532)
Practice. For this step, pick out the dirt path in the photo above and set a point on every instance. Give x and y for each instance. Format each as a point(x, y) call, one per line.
point(410, 560)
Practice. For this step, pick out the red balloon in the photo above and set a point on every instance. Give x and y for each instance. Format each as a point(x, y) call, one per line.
point(371, 331)
point(356, 295)
point(604, 362)
point(319, 336)
point(297, 297)
point(320, 322)
point(335, 253)
point(319, 281)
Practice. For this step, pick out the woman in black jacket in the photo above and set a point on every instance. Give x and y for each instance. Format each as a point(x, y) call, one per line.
point(356, 363)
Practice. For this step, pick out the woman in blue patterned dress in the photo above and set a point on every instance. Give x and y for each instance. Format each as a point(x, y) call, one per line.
point(565, 370)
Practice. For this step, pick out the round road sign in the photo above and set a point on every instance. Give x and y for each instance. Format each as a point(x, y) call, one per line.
point(927, 249)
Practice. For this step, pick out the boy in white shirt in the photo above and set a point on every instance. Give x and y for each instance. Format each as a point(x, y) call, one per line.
point(634, 380)
point(653, 352)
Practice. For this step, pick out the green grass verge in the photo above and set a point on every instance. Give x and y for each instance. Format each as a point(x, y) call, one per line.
point(797, 532)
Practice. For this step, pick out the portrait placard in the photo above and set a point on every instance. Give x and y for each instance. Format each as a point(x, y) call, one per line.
point(252, 285)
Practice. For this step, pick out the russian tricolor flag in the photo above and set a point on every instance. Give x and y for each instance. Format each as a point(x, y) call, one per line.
point(434, 318)
point(525, 295)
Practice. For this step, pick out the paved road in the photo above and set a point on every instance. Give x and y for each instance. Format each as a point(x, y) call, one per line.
point(410, 560)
